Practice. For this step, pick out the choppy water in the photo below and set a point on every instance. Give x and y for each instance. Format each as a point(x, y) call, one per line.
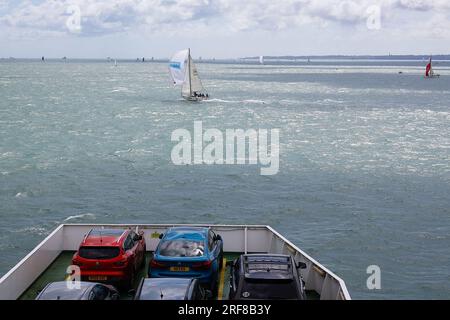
point(365, 160)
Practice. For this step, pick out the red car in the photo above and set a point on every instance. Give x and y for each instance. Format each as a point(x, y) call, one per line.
point(111, 255)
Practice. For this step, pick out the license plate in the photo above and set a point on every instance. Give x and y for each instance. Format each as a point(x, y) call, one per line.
point(98, 278)
point(179, 269)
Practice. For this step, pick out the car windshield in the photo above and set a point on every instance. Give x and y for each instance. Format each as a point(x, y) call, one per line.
point(182, 248)
point(266, 289)
point(100, 253)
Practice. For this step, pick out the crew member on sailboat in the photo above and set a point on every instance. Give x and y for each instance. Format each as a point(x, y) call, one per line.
point(184, 73)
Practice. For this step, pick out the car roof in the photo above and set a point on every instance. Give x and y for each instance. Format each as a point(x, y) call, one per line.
point(267, 266)
point(164, 288)
point(190, 233)
point(103, 237)
point(60, 291)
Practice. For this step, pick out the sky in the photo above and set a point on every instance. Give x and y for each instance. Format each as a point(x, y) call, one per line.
point(222, 28)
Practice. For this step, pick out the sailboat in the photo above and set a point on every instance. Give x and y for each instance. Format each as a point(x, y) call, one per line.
point(429, 72)
point(261, 59)
point(184, 73)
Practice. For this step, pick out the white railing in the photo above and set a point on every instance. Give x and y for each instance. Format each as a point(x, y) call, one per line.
point(317, 278)
point(20, 277)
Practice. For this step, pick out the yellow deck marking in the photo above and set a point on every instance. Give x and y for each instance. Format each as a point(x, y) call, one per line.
point(222, 280)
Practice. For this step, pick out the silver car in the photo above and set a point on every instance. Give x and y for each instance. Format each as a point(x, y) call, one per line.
point(85, 291)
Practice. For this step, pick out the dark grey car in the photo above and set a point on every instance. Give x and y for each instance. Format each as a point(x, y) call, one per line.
point(171, 289)
point(266, 277)
point(85, 291)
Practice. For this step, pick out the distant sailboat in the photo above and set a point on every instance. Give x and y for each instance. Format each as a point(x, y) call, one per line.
point(184, 73)
point(429, 72)
point(261, 59)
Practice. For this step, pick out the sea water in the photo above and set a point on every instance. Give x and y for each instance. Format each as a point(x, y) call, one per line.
point(364, 170)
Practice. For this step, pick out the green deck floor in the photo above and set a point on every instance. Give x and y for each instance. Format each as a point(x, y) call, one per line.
point(57, 272)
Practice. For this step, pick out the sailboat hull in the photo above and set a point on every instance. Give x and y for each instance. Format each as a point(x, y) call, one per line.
point(195, 99)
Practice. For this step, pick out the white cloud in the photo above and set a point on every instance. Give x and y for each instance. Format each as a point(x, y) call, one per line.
point(112, 16)
point(104, 16)
point(424, 5)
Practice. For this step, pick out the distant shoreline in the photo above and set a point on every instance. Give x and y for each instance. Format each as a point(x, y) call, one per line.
point(356, 57)
point(438, 57)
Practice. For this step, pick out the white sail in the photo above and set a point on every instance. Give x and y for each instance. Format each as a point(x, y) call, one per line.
point(186, 91)
point(192, 83)
point(261, 59)
point(177, 67)
point(196, 83)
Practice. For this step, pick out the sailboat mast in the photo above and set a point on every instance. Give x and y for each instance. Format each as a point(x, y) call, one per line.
point(189, 70)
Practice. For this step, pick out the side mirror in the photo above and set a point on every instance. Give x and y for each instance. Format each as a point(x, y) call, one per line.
point(301, 265)
point(161, 235)
point(217, 237)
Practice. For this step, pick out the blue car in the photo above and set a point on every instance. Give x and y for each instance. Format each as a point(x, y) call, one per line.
point(189, 252)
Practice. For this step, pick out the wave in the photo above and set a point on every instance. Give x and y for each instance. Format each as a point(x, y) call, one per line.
point(80, 216)
point(236, 101)
point(21, 195)
point(254, 101)
point(41, 231)
point(7, 154)
point(220, 100)
point(122, 89)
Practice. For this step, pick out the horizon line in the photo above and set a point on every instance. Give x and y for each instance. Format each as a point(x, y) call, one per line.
point(269, 57)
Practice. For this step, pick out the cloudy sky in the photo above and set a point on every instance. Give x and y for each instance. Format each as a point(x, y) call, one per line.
point(222, 28)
